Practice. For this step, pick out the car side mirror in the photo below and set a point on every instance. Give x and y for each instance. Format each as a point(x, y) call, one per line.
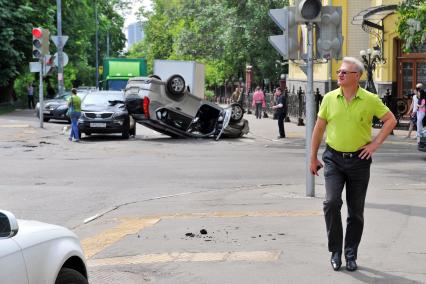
point(8, 225)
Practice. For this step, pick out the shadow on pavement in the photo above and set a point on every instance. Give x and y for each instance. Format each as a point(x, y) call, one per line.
point(399, 208)
point(368, 275)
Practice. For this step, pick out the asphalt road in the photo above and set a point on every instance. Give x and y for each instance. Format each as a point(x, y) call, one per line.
point(139, 205)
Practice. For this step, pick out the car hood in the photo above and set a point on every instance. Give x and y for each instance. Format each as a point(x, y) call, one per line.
point(34, 232)
point(94, 108)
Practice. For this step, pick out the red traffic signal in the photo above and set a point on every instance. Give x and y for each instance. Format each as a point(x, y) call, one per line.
point(40, 42)
point(37, 32)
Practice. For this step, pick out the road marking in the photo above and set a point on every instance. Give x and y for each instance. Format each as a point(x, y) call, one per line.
point(258, 256)
point(239, 214)
point(15, 126)
point(98, 243)
point(95, 244)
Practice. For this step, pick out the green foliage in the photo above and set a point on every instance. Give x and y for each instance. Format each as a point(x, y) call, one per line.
point(18, 17)
point(208, 95)
point(225, 35)
point(412, 23)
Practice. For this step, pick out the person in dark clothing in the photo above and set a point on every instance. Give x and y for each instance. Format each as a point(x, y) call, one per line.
point(280, 109)
point(30, 93)
point(50, 91)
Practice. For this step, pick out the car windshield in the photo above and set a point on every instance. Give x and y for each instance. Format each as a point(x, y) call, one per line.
point(67, 94)
point(103, 99)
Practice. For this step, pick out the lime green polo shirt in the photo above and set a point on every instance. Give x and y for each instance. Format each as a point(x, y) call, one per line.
point(76, 102)
point(349, 124)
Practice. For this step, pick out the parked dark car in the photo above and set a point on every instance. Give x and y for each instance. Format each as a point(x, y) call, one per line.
point(57, 107)
point(105, 112)
point(169, 108)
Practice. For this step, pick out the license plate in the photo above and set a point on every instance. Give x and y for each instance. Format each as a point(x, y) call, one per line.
point(94, 124)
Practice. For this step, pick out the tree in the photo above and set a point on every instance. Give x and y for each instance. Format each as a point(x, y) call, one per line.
point(18, 17)
point(412, 23)
point(225, 35)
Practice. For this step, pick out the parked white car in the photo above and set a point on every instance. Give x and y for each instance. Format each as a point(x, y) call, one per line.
point(39, 253)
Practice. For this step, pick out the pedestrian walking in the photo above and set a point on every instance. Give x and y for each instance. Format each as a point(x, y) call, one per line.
point(258, 102)
point(74, 111)
point(280, 113)
point(421, 107)
point(413, 113)
point(30, 96)
point(346, 114)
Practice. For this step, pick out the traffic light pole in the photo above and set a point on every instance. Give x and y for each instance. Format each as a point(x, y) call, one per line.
point(40, 92)
point(60, 48)
point(310, 111)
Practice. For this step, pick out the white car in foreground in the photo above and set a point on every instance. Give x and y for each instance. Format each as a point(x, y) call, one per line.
point(32, 252)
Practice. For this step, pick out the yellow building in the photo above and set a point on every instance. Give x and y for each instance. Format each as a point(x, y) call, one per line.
point(369, 24)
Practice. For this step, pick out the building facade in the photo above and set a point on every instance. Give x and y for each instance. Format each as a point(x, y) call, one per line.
point(135, 33)
point(369, 24)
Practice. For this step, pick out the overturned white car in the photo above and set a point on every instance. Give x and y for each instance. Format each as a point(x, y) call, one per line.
point(169, 107)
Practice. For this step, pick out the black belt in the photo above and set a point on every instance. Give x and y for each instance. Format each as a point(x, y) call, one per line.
point(344, 155)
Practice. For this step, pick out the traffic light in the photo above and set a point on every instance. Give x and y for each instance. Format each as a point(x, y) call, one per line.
point(40, 42)
point(308, 11)
point(329, 44)
point(287, 43)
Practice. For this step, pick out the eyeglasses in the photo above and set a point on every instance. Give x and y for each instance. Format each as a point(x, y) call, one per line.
point(343, 72)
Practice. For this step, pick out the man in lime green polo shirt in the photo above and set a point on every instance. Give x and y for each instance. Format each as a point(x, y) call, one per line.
point(346, 115)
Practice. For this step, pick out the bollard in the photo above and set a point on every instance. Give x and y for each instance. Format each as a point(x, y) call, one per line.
point(287, 118)
point(299, 96)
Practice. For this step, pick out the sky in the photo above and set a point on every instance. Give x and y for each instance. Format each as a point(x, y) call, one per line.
point(131, 18)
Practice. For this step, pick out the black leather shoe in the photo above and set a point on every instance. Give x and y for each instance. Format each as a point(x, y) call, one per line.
point(351, 265)
point(336, 260)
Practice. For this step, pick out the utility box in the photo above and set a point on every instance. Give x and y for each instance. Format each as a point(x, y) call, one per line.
point(191, 71)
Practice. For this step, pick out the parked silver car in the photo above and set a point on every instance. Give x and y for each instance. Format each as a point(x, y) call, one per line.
point(169, 107)
point(35, 252)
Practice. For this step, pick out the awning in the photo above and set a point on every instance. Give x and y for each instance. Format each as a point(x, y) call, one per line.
point(371, 21)
point(373, 16)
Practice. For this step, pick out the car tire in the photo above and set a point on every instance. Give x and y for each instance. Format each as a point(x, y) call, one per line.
point(125, 133)
point(68, 275)
point(132, 131)
point(176, 85)
point(237, 112)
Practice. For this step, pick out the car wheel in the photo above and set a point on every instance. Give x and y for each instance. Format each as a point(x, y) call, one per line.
point(46, 119)
point(125, 133)
point(68, 275)
point(176, 85)
point(132, 131)
point(237, 112)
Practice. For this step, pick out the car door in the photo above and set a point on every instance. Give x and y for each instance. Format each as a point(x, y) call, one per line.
point(12, 264)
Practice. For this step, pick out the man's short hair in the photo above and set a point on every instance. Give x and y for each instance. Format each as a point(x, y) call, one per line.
point(358, 64)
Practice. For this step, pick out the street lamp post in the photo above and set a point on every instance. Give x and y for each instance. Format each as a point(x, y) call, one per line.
point(370, 58)
point(249, 77)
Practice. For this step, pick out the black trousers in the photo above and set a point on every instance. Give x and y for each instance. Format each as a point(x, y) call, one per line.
point(281, 117)
point(340, 170)
point(31, 102)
